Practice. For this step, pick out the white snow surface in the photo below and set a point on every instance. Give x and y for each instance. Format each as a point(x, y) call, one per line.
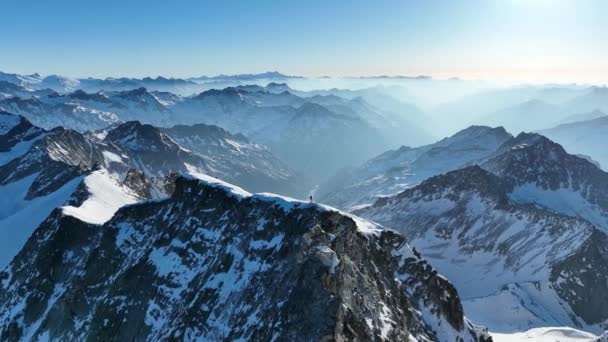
point(286, 203)
point(545, 334)
point(107, 195)
point(510, 252)
point(519, 307)
point(20, 217)
point(567, 201)
point(232, 189)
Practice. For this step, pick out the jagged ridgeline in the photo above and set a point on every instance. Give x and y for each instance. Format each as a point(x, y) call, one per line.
point(213, 262)
point(525, 246)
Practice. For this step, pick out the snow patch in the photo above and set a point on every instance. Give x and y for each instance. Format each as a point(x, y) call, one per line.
point(328, 257)
point(20, 217)
point(285, 203)
point(110, 157)
point(546, 334)
point(231, 189)
point(565, 201)
point(106, 197)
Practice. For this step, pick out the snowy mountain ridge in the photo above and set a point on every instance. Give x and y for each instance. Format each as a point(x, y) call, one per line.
point(542, 263)
point(310, 260)
point(396, 170)
point(41, 170)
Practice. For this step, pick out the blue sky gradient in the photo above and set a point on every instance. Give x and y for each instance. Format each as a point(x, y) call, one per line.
point(489, 39)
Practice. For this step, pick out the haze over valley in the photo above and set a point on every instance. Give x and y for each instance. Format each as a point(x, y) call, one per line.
point(304, 171)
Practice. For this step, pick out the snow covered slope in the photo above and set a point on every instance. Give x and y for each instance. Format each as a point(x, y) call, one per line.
point(543, 173)
point(215, 262)
point(236, 158)
point(396, 170)
point(89, 111)
point(106, 195)
point(43, 170)
point(203, 149)
point(516, 265)
point(55, 114)
point(20, 214)
point(549, 334)
point(140, 104)
point(316, 135)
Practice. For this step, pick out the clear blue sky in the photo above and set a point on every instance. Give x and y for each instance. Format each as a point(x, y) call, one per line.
point(467, 38)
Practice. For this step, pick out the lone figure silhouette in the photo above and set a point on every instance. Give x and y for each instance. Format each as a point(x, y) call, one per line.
point(310, 198)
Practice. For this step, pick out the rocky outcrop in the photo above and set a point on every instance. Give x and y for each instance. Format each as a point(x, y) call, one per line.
point(214, 262)
point(549, 268)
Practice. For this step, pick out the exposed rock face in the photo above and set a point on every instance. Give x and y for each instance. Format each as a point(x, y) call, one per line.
point(215, 263)
point(545, 267)
point(43, 170)
point(206, 149)
point(153, 152)
point(543, 173)
point(237, 159)
point(137, 181)
point(60, 156)
point(55, 112)
point(581, 279)
point(14, 130)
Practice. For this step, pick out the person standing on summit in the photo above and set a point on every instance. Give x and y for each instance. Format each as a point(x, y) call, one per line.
point(310, 198)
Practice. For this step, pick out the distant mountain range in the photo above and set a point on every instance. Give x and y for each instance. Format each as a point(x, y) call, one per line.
point(100, 237)
point(587, 137)
point(63, 84)
point(523, 108)
point(315, 134)
point(42, 169)
point(156, 209)
point(396, 170)
point(523, 235)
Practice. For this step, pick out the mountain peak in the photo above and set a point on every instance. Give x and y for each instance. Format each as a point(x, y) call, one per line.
point(526, 139)
point(471, 178)
point(278, 87)
point(129, 127)
point(213, 250)
point(204, 130)
point(311, 108)
point(135, 92)
point(139, 137)
point(276, 84)
point(477, 132)
point(528, 147)
point(82, 95)
point(229, 91)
